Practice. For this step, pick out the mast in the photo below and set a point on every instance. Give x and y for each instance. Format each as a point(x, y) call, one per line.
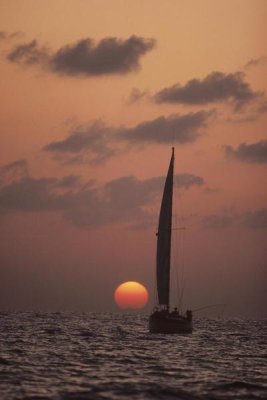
point(164, 239)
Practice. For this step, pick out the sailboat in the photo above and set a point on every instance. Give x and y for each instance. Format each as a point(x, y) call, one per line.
point(162, 319)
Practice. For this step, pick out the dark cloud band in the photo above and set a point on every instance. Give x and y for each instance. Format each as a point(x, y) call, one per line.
point(100, 142)
point(172, 129)
point(109, 56)
point(85, 57)
point(83, 203)
point(252, 153)
point(253, 219)
point(215, 87)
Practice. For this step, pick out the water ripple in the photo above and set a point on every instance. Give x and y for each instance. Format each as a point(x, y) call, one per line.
point(90, 356)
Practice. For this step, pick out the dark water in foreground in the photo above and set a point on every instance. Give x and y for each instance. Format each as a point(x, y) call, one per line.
point(104, 356)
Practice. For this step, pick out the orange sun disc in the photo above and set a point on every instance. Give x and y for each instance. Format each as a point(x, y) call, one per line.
point(131, 295)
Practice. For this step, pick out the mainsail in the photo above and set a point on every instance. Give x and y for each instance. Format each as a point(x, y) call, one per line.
point(164, 239)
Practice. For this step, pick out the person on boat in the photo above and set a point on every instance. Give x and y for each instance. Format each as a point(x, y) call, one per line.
point(175, 312)
point(156, 312)
point(189, 315)
point(165, 310)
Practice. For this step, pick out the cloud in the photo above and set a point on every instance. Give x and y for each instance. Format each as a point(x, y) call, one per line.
point(123, 200)
point(252, 219)
point(69, 181)
point(187, 180)
point(214, 88)
point(210, 190)
point(119, 200)
point(256, 219)
point(109, 56)
point(3, 35)
point(30, 194)
point(6, 36)
point(137, 95)
point(13, 171)
point(252, 153)
point(83, 203)
point(85, 144)
point(255, 62)
point(98, 142)
point(173, 129)
point(217, 221)
point(29, 54)
point(85, 57)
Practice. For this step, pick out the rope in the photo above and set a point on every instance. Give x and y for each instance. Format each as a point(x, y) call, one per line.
point(210, 306)
point(178, 245)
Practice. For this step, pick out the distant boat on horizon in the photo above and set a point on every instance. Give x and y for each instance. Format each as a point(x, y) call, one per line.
point(162, 319)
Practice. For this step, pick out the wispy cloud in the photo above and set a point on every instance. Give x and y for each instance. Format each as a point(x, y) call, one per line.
point(29, 54)
point(250, 219)
point(251, 153)
point(13, 171)
point(136, 95)
point(98, 142)
point(125, 200)
point(86, 58)
point(177, 128)
point(218, 221)
point(84, 203)
point(91, 144)
point(255, 62)
point(4, 35)
point(255, 219)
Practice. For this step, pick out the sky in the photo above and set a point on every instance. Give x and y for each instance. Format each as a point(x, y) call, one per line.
point(94, 94)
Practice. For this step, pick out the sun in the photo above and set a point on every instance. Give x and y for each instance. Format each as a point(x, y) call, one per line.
point(131, 295)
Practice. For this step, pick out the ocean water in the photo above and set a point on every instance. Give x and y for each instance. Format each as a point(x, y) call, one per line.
point(112, 356)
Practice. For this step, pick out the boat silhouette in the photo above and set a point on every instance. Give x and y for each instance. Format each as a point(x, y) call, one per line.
point(162, 319)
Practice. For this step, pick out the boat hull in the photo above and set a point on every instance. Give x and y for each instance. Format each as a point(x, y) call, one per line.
point(168, 324)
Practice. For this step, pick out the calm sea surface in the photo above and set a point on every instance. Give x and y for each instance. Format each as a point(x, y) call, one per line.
point(112, 356)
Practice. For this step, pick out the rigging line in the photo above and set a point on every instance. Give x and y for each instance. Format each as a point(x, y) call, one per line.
point(179, 259)
point(210, 306)
point(182, 269)
point(176, 248)
point(155, 291)
point(175, 262)
point(155, 275)
point(181, 266)
point(182, 295)
point(181, 254)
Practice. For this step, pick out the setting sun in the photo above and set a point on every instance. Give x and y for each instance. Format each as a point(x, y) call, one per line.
point(131, 295)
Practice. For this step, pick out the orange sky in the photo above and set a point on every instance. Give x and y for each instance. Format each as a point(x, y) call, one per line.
point(70, 245)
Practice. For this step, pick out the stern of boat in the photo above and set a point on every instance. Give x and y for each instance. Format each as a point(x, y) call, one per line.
point(166, 324)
